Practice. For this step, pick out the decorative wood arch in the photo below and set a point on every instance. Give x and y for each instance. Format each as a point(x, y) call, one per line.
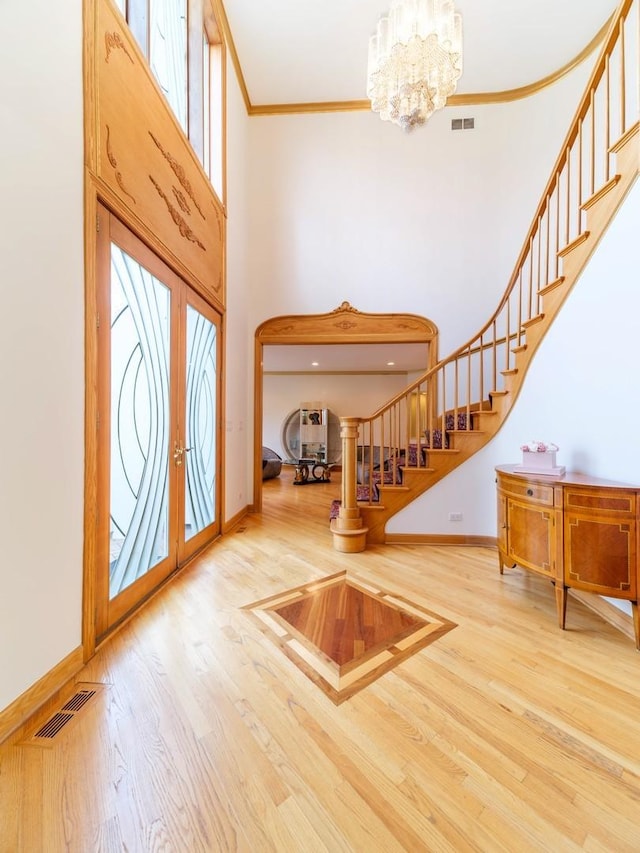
point(344, 325)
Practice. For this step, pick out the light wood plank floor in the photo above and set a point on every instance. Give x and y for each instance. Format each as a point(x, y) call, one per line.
point(505, 734)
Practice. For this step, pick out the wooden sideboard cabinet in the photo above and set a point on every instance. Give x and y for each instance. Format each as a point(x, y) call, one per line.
point(578, 531)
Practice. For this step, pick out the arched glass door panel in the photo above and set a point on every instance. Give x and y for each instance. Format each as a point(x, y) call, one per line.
point(140, 341)
point(199, 501)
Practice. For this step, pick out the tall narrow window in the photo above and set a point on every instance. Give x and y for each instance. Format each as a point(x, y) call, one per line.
point(215, 139)
point(168, 53)
point(184, 47)
point(206, 103)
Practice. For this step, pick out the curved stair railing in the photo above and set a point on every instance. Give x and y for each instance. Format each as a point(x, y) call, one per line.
point(459, 404)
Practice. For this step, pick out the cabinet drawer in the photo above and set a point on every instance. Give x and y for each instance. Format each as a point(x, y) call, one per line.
point(531, 492)
point(609, 501)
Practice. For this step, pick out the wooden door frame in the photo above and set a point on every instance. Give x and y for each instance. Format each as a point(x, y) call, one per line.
point(344, 325)
point(97, 201)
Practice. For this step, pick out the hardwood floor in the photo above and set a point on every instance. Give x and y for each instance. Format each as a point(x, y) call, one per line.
point(506, 734)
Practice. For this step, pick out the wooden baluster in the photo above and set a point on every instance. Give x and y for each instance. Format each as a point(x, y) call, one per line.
point(568, 217)
point(520, 306)
point(539, 265)
point(494, 359)
point(548, 218)
point(507, 349)
point(481, 356)
point(607, 119)
point(579, 189)
point(530, 315)
point(623, 98)
point(593, 145)
point(469, 389)
point(557, 259)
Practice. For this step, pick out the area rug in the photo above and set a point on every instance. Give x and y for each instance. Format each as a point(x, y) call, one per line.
point(344, 633)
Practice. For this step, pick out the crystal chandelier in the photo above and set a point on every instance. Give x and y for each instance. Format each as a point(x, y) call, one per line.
point(415, 60)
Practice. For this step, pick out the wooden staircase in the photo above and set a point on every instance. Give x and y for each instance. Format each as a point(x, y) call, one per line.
point(588, 184)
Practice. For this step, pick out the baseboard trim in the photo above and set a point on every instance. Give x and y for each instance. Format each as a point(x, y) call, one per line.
point(607, 611)
point(439, 539)
point(15, 716)
point(228, 525)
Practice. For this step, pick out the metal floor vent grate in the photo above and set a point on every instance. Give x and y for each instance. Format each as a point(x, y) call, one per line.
point(54, 725)
point(62, 719)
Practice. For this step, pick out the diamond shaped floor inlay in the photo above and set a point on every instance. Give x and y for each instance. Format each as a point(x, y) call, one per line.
point(344, 633)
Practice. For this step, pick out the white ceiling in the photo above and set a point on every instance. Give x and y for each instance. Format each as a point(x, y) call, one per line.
point(306, 51)
point(348, 358)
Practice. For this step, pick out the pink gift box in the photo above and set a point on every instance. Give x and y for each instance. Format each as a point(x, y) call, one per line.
point(534, 462)
point(539, 461)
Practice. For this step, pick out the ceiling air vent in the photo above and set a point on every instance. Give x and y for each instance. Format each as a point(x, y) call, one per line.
point(462, 123)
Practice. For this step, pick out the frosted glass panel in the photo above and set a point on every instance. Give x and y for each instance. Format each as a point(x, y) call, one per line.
point(200, 420)
point(140, 314)
point(168, 52)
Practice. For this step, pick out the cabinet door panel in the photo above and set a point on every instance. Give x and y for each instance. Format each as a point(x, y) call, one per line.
point(531, 537)
point(600, 555)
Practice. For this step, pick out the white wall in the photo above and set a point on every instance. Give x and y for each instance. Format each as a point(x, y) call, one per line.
point(41, 340)
point(345, 206)
point(582, 392)
point(354, 395)
point(239, 331)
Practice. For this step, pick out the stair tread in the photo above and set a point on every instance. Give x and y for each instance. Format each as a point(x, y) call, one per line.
point(551, 286)
point(579, 240)
point(532, 321)
point(600, 193)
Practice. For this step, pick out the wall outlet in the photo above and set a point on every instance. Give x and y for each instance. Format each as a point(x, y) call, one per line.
point(455, 516)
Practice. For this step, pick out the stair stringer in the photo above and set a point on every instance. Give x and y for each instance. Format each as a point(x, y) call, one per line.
point(599, 211)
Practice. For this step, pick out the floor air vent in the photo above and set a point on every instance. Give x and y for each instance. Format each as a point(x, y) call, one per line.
point(54, 725)
point(62, 719)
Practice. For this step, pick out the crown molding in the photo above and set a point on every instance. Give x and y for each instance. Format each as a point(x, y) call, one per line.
point(458, 100)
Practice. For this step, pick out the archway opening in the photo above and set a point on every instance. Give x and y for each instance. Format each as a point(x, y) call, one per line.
point(340, 331)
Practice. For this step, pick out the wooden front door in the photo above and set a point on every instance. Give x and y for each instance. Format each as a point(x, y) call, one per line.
point(158, 404)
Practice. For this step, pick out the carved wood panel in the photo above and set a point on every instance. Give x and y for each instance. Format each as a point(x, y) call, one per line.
point(143, 158)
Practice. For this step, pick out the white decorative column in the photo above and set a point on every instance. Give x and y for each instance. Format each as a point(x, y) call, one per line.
point(349, 536)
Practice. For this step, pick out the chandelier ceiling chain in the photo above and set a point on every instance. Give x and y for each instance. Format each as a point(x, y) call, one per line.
point(415, 60)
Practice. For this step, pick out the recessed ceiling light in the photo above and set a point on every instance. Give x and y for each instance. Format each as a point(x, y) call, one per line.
point(314, 364)
point(390, 363)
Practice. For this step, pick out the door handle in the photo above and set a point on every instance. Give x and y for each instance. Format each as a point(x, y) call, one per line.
point(178, 453)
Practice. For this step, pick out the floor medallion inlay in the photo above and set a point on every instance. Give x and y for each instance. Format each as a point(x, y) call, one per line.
point(344, 633)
